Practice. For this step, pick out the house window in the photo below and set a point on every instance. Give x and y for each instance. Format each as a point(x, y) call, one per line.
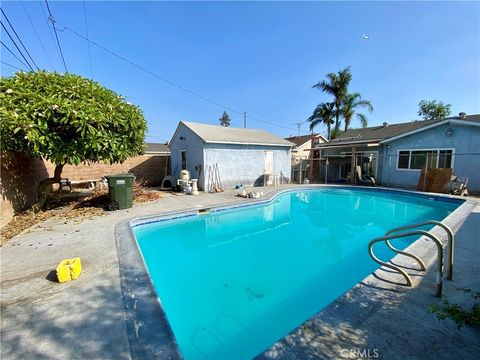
point(403, 159)
point(417, 159)
point(445, 159)
point(183, 155)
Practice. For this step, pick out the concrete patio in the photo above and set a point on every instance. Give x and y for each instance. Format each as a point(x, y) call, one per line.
point(86, 318)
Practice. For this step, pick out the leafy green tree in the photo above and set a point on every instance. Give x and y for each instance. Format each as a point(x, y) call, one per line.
point(349, 109)
point(324, 113)
point(67, 119)
point(433, 110)
point(336, 133)
point(336, 85)
point(225, 119)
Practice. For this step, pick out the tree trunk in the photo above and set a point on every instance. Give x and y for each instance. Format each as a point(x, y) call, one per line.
point(329, 130)
point(43, 188)
point(337, 116)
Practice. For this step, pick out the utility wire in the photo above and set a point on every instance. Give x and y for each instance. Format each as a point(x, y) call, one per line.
point(151, 73)
point(271, 123)
point(14, 43)
point(88, 42)
point(168, 81)
point(36, 34)
point(18, 37)
point(52, 19)
point(4, 63)
point(11, 52)
point(47, 22)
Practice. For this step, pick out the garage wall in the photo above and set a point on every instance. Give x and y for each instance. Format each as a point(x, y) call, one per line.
point(244, 164)
point(186, 139)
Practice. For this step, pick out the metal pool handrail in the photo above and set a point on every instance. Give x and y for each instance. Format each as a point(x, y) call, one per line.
point(451, 243)
point(439, 273)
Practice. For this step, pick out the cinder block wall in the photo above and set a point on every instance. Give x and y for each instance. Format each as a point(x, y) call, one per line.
point(21, 174)
point(150, 168)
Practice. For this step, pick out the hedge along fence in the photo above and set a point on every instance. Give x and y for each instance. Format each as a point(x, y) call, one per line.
point(21, 174)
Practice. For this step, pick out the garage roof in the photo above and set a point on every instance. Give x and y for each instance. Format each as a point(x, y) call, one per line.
point(230, 135)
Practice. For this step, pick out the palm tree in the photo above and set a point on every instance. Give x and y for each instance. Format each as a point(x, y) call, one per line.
point(336, 85)
point(349, 109)
point(324, 113)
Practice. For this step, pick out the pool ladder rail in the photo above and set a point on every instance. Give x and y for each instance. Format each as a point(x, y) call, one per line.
point(400, 233)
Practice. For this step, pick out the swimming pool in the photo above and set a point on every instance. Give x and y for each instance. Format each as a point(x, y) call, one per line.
point(234, 281)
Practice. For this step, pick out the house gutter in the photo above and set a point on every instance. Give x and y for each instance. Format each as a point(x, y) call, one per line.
point(350, 144)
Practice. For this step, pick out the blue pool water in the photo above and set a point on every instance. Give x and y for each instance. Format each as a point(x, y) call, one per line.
point(235, 281)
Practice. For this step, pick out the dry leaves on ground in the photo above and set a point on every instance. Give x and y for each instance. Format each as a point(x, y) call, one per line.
point(72, 206)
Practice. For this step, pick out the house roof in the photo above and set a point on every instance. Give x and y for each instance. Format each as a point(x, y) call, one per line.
point(302, 139)
point(395, 131)
point(231, 135)
point(156, 148)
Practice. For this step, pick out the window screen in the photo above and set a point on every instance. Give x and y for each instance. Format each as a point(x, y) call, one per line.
point(444, 159)
point(403, 159)
point(419, 159)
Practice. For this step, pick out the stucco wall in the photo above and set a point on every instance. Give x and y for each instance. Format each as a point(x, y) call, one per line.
point(465, 140)
point(238, 164)
point(245, 164)
point(194, 147)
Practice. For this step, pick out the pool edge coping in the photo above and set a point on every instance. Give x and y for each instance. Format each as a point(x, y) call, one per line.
point(151, 339)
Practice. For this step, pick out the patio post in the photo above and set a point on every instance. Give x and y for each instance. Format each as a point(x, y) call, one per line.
point(300, 175)
point(425, 173)
point(352, 166)
point(326, 170)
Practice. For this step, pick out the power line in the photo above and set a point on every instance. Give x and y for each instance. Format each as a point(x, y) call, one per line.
point(151, 73)
point(11, 52)
point(14, 43)
point(86, 31)
point(47, 21)
point(168, 81)
point(270, 123)
point(51, 18)
point(18, 37)
point(36, 34)
point(175, 105)
point(4, 63)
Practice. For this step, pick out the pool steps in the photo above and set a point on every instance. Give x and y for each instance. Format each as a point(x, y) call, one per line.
point(389, 235)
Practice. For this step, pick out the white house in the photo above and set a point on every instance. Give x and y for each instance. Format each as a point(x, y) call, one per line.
point(243, 156)
point(303, 144)
point(301, 154)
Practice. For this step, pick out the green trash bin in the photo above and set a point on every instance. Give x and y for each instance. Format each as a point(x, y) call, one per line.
point(120, 189)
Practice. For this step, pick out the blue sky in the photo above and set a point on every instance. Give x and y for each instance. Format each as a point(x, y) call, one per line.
point(262, 57)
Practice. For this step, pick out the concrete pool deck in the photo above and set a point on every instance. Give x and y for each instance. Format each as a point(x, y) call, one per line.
point(86, 318)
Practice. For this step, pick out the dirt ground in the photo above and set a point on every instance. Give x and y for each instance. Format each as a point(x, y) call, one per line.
point(77, 205)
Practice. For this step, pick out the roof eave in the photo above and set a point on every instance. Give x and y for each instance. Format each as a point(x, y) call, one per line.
point(348, 143)
point(431, 126)
point(247, 143)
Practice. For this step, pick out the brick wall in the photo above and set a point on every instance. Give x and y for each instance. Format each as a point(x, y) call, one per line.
point(21, 174)
point(150, 168)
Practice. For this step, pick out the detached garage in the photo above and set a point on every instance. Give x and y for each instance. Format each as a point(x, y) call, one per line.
point(242, 156)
